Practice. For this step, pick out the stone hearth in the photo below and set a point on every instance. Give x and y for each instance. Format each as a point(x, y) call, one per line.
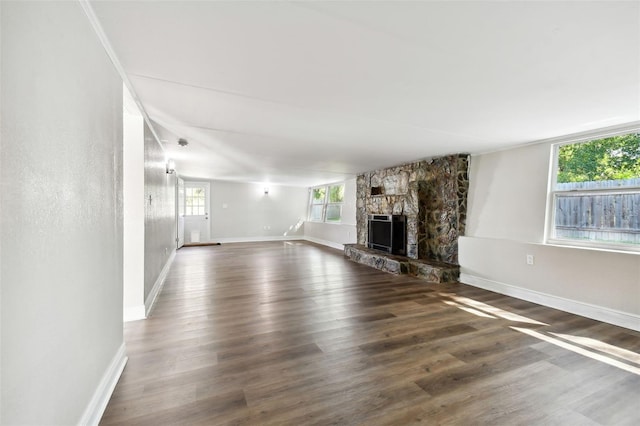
point(429, 270)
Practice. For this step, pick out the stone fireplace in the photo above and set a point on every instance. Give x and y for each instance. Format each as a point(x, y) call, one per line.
point(432, 194)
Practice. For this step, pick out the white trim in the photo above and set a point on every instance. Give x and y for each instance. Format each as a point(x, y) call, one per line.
point(600, 313)
point(98, 403)
point(557, 243)
point(134, 313)
point(157, 286)
point(325, 242)
point(594, 245)
point(106, 44)
point(257, 239)
point(606, 132)
point(609, 248)
point(571, 137)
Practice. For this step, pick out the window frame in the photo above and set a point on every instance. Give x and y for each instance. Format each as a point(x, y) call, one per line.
point(325, 204)
point(312, 204)
point(553, 194)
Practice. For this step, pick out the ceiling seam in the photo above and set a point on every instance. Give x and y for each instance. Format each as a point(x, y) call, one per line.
point(254, 98)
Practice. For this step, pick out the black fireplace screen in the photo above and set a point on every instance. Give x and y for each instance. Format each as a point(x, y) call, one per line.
point(387, 233)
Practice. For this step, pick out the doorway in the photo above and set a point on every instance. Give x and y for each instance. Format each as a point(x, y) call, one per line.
point(196, 212)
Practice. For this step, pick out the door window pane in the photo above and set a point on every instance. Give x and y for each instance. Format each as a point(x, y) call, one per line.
point(194, 201)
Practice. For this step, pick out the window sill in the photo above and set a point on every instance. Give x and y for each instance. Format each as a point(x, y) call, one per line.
point(611, 248)
point(332, 223)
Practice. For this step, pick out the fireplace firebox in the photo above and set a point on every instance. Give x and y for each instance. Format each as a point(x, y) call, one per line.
point(387, 233)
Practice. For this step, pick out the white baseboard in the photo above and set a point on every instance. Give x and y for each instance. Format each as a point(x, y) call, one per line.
point(157, 286)
point(600, 313)
point(98, 403)
point(134, 313)
point(325, 242)
point(228, 240)
point(257, 239)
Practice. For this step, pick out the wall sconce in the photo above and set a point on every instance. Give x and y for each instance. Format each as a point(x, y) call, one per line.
point(266, 190)
point(171, 167)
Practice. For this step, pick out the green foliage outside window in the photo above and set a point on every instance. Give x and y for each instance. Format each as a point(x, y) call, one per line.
point(326, 203)
point(613, 158)
point(319, 195)
point(594, 200)
point(336, 194)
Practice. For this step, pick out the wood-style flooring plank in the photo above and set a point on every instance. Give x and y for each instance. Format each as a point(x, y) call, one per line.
point(292, 333)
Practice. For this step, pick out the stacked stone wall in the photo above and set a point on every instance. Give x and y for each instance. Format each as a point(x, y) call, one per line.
point(432, 194)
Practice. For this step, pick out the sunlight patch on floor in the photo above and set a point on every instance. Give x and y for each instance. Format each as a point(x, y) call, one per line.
point(492, 310)
point(602, 347)
point(577, 349)
point(470, 310)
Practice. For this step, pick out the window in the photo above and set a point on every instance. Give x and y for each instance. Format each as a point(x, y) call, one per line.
point(194, 200)
point(325, 203)
point(318, 197)
point(595, 193)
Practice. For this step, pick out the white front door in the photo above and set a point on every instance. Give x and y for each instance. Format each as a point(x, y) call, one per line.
point(180, 213)
point(196, 212)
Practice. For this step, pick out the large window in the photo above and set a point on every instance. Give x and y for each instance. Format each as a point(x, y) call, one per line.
point(596, 193)
point(325, 204)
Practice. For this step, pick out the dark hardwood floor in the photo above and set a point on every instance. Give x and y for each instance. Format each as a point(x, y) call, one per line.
point(292, 333)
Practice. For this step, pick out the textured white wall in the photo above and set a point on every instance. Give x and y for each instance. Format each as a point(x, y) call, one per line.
point(332, 235)
point(349, 207)
point(61, 242)
point(1, 216)
point(506, 220)
point(242, 212)
point(160, 211)
point(508, 194)
point(134, 209)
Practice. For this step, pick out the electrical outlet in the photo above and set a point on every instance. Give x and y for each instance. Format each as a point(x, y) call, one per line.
point(530, 259)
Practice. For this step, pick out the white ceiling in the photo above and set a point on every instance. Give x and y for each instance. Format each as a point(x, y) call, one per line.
point(302, 93)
